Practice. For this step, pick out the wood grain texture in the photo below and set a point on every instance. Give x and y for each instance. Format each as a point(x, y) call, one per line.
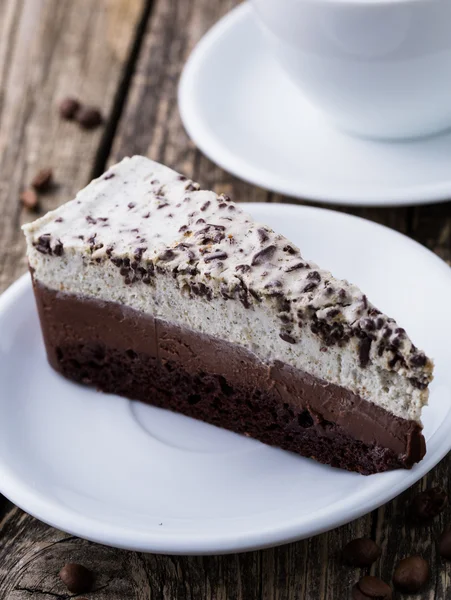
point(31, 553)
point(50, 49)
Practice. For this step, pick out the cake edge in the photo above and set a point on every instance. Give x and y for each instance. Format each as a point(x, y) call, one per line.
point(149, 345)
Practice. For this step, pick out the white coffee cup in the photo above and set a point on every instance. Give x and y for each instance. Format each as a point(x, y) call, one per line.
point(375, 68)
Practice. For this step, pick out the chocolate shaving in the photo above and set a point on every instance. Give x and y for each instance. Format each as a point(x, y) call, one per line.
point(264, 255)
point(243, 268)
point(296, 267)
point(364, 351)
point(286, 337)
point(262, 235)
point(418, 360)
point(219, 255)
point(310, 286)
point(58, 250)
point(168, 254)
point(139, 252)
point(314, 276)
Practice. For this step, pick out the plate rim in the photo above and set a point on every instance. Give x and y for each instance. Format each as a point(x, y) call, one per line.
point(210, 145)
point(68, 519)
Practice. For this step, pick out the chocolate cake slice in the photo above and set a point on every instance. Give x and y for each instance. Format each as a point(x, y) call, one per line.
point(155, 290)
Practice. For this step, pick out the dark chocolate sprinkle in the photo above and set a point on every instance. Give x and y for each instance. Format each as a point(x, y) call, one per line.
point(286, 337)
point(58, 250)
point(273, 284)
point(43, 244)
point(109, 176)
point(168, 254)
point(418, 360)
point(310, 286)
point(264, 255)
point(205, 205)
point(367, 324)
point(146, 216)
point(243, 268)
point(162, 205)
point(296, 267)
point(219, 255)
point(364, 351)
point(396, 342)
point(289, 249)
point(314, 275)
point(131, 205)
point(139, 252)
point(90, 220)
point(262, 235)
point(59, 220)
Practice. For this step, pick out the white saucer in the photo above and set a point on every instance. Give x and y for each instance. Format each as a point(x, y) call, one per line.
point(245, 114)
point(128, 475)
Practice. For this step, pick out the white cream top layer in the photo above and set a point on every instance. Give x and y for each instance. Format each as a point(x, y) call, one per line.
point(141, 222)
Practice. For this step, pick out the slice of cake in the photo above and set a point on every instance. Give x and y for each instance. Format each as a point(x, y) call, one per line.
point(155, 290)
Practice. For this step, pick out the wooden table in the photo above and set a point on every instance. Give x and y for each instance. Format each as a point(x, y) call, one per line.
point(126, 57)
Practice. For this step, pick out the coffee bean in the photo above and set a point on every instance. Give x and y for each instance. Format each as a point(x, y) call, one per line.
point(361, 552)
point(371, 588)
point(77, 578)
point(29, 199)
point(42, 181)
point(444, 545)
point(411, 574)
point(428, 504)
point(88, 117)
point(68, 107)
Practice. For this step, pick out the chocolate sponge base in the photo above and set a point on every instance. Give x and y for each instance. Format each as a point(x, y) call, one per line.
point(121, 351)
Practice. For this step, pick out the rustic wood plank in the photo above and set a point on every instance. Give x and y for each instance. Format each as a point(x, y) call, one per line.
point(50, 49)
point(431, 226)
point(32, 553)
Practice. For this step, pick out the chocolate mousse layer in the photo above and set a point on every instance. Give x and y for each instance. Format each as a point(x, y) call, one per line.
point(123, 351)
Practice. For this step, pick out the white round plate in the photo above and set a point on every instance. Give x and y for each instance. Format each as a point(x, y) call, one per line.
point(129, 475)
point(244, 113)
